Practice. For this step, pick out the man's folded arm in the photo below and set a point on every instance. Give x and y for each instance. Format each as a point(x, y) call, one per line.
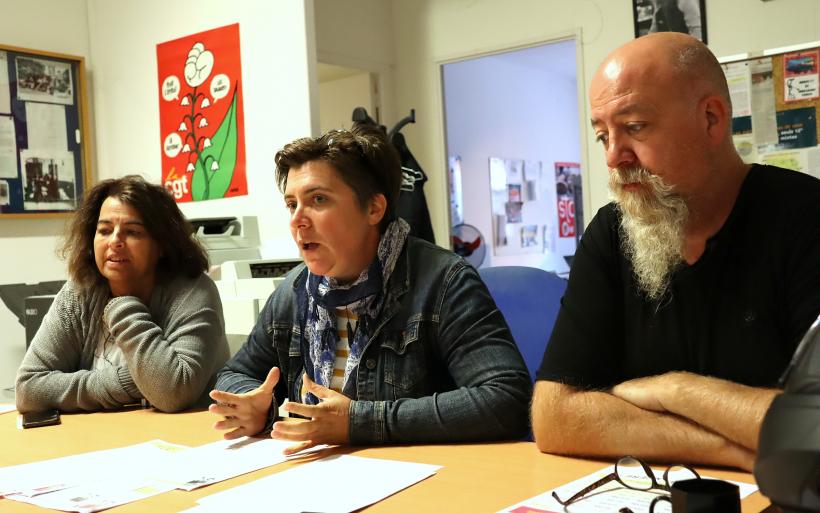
point(566, 420)
point(733, 410)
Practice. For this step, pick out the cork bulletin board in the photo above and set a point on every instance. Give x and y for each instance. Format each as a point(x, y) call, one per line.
point(44, 139)
point(775, 103)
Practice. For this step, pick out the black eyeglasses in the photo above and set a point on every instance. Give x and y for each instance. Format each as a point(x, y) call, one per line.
point(636, 475)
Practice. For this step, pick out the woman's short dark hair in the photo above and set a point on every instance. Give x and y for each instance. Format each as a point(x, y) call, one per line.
point(181, 252)
point(364, 158)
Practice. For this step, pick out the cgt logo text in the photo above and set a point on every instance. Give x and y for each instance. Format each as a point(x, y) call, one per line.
point(178, 187)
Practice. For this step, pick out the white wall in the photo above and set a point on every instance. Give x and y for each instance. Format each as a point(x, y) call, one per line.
point(278, 61)
point(27, 246)
point(338, 98)
point(359, 34)
point(519, 105)
point(430, 31)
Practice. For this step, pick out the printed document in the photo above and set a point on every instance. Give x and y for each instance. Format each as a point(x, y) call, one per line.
point(338, 479)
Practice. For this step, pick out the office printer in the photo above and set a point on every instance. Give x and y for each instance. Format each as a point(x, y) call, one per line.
point(244, 287)
point(30, 302)
point(244, 280)
point(228, 238)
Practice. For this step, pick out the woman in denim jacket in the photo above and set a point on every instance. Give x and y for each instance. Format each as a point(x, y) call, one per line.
point(379, 337)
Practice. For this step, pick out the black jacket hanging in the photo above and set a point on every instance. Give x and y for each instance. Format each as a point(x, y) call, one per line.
point(412, 205)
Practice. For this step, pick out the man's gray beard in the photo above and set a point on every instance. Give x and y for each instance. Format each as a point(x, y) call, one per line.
point(652, 224)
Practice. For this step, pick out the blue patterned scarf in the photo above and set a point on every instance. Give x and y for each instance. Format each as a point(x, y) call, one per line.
point(363, 297)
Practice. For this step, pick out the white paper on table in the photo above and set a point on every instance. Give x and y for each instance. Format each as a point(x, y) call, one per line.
point(8, 147)
point(99, 495)
point(6, 408)
point(218, 461)
point(46, 126)
point(337, 479)
point(606, 499)
point(135, 461)
point(5, 91)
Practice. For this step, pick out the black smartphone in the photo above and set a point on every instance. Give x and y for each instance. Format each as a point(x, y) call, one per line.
point(35, 419)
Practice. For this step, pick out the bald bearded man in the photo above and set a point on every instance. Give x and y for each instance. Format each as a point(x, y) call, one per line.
point(690, 291)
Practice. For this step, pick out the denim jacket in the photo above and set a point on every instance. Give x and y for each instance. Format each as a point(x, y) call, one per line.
point(440, 366)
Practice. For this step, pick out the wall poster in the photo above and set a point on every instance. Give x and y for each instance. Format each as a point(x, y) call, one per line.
point(800, 76)
point(202, 135)
point(569, 200)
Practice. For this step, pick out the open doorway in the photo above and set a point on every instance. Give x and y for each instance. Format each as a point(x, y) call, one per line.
point(514, 154)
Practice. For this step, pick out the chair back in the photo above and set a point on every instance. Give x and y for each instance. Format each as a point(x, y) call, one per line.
point(529, 299)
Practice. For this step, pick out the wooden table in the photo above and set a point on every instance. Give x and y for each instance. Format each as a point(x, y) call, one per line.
point(475, 477)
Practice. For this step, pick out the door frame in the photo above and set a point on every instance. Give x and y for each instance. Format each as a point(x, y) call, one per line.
point(475, 53)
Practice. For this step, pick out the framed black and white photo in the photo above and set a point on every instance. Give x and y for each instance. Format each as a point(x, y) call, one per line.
point(687, 16)
point(44, 80)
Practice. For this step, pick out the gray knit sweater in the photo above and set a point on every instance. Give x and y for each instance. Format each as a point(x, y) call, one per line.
point(172, 349)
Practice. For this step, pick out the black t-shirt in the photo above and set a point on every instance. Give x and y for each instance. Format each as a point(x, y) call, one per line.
point(738, 313)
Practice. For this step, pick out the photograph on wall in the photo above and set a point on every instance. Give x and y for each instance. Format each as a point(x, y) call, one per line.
point(513, 211)
point(529, 235)
point(567, 180)
point(43, 80)
point(514, 192)
point(687, 16)
point(800, 76)
point(48, 180)
point(202, 139)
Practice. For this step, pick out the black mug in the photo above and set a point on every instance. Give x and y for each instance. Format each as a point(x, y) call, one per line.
point(701, 496)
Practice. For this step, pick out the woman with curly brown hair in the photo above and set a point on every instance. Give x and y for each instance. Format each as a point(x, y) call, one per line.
point(138, 320)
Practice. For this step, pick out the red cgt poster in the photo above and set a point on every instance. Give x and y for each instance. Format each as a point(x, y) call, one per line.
point(200, 115)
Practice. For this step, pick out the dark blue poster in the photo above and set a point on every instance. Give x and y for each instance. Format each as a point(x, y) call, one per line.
point(797, 128)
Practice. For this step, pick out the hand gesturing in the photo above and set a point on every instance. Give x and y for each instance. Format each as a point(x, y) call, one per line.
point(329, 421)
point(245, 414)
